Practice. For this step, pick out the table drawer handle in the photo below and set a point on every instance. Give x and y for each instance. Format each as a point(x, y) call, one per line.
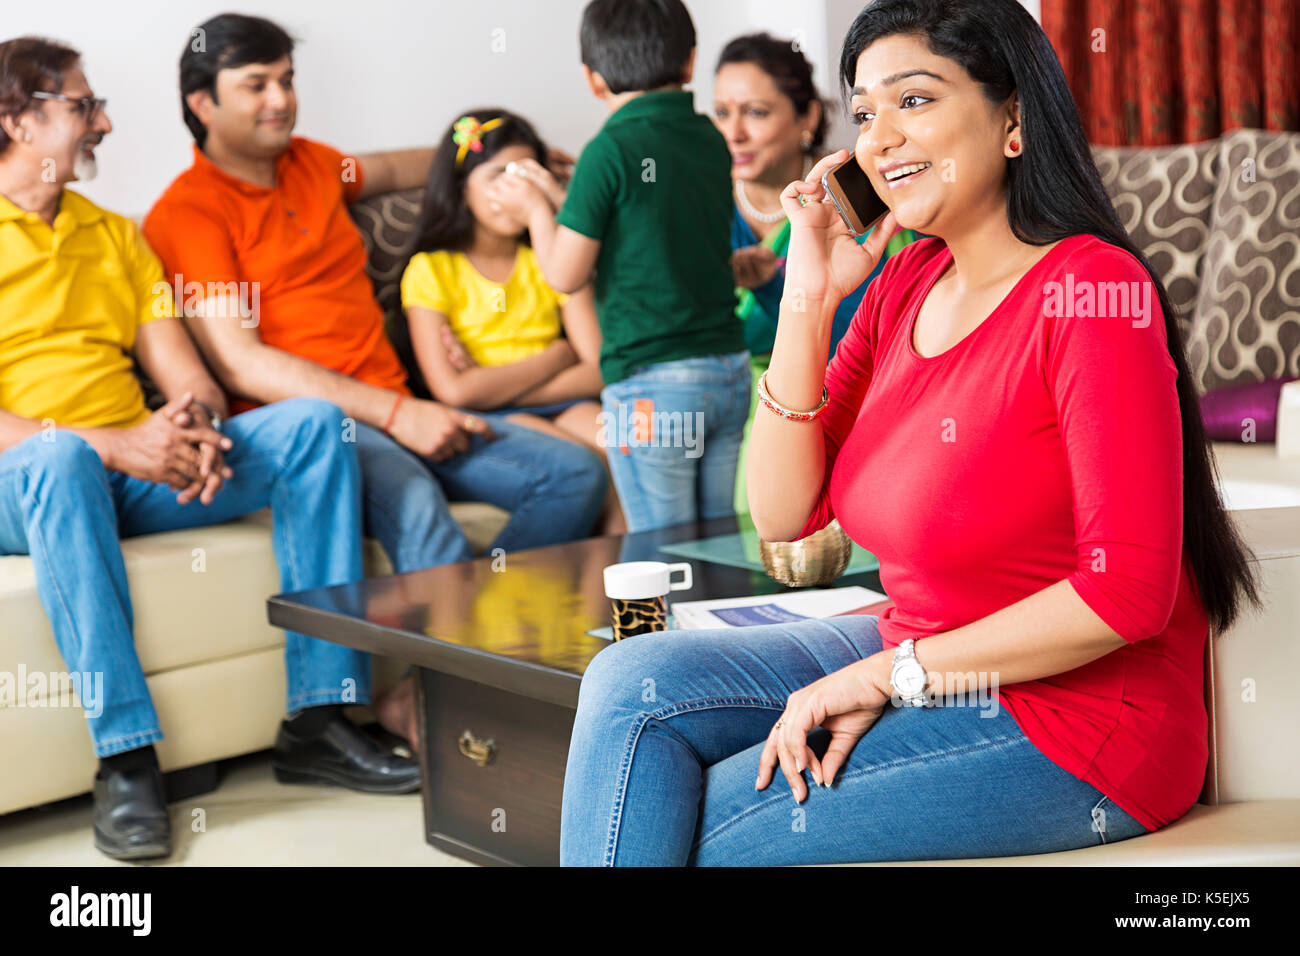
point(479, 751)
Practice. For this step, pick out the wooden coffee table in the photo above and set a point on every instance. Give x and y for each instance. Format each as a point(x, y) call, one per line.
point(500, 646)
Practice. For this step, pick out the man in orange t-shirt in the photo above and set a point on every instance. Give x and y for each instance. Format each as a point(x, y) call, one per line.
point(270, 269)
point(296, 241)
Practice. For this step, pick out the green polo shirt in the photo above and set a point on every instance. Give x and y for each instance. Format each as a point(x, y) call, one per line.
point(654, 186)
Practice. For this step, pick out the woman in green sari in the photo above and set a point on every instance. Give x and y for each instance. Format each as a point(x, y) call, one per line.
point(767, 108)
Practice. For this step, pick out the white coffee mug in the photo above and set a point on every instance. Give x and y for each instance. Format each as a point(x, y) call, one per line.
point(639, 580)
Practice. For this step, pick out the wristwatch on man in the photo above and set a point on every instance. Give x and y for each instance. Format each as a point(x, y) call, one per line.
point(907, 676)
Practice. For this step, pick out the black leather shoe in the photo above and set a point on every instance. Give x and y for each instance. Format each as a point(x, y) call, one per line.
point(131, 820)
point(342, 754)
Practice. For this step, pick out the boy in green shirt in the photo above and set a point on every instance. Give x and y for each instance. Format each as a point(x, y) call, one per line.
point(649, 209)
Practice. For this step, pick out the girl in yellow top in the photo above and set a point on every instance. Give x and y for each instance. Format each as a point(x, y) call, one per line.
point(487, 331)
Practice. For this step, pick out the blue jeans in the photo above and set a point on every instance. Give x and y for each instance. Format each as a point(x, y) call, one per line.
point(665, 748)
point(553, 489)
point(678, 463)
point(60, 505)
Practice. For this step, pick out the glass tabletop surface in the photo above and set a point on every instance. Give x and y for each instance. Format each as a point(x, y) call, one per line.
point(532, 608)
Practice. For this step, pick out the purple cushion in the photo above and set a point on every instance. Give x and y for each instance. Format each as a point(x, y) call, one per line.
point(1224, 410)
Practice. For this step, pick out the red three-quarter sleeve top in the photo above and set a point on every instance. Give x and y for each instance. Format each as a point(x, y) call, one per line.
point(1044, 445)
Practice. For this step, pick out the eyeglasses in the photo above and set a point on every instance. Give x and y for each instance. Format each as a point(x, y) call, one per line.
point(87, 106)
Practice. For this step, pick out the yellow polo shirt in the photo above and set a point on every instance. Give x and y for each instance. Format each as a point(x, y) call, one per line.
point(71, 298)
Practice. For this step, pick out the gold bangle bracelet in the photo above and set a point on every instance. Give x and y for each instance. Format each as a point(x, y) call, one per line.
point(765, 397)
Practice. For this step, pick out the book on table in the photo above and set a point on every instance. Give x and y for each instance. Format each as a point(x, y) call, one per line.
point(772, 608)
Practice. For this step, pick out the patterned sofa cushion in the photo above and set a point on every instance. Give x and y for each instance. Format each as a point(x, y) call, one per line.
point(387, 222)
point(1164, 197)
point(1248, 311)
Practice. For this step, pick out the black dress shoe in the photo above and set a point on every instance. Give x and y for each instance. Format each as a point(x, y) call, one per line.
point(131, 820)
point(344, 755)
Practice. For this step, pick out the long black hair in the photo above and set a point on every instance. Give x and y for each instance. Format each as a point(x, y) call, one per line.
point(445, 219)
point(1054, 191)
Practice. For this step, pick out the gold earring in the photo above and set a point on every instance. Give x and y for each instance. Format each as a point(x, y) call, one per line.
point(805, 140)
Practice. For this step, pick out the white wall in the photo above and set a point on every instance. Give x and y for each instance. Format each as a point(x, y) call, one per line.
point(383, 73)
point(370, 75)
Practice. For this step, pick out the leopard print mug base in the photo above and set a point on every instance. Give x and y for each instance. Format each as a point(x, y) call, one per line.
point(630, 618)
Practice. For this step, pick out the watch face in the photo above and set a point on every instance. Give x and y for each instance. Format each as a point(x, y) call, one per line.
point(910, 681)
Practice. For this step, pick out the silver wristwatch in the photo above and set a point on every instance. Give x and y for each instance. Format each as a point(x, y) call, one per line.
point(907, 676)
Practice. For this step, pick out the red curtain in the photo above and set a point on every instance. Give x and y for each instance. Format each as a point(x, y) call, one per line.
point(1157, 72)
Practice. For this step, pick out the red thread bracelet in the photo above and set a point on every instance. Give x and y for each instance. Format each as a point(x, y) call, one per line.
point(392, 415)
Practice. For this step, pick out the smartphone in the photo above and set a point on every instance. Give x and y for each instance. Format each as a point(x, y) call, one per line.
point(854, 196)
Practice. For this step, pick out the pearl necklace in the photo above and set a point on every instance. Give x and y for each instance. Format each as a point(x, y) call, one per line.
point(753, 213)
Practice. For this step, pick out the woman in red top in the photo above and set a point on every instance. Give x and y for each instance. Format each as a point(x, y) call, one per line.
point(1010, 426)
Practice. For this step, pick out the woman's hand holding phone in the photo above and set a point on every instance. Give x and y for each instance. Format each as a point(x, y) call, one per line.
point(824, 262)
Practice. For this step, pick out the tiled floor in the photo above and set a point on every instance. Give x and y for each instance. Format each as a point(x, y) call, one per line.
point(248, 820)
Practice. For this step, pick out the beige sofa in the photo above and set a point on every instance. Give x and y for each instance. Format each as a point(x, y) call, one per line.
point(214, 666)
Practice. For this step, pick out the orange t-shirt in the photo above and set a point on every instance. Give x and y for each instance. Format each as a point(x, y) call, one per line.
point(295, 254)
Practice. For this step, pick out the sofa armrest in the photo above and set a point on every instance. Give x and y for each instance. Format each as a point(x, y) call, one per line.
point(1252, 671)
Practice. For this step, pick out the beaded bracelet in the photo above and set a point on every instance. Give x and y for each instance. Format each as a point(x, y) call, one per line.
point(766, 398)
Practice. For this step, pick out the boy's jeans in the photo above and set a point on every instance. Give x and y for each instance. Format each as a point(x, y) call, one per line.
point(672, 433)
point(665, 747)
point(60, 505)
